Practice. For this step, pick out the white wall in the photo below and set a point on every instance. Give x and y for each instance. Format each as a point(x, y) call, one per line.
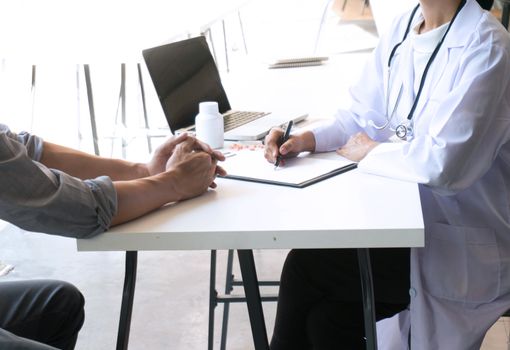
point(384, 11)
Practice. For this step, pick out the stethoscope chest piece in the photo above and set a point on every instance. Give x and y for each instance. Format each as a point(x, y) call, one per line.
point(402, 131)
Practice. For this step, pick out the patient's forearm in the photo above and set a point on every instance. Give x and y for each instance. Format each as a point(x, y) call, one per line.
point(87, 166)
point(138, 197)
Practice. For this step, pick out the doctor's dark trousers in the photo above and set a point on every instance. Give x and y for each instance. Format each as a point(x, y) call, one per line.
point(320, 304)
point(39, 315)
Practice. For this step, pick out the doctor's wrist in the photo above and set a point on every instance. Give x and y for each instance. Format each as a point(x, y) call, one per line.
point(307, 139)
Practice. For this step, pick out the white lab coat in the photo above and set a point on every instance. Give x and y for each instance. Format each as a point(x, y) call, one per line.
point(460, 156)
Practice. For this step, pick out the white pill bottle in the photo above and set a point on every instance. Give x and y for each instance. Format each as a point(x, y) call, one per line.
point(209, 124)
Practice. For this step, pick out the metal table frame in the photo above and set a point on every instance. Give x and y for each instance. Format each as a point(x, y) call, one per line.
point(253, 299)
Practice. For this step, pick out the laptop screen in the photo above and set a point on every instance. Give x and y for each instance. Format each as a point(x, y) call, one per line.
point(184, 74)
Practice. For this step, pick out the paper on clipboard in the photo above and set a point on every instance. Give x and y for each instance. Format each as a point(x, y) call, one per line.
point(301, 171)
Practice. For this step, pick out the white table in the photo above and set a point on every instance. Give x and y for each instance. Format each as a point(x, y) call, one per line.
point(351, 210)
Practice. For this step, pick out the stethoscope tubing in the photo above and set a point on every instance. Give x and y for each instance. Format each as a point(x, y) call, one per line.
point(423, 78)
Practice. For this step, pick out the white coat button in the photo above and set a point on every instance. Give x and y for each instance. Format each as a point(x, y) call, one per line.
point(412, 292)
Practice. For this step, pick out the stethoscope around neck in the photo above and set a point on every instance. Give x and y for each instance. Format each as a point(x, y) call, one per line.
point(404, 131)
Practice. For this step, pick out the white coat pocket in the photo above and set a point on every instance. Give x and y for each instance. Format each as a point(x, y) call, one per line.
point(461, 264)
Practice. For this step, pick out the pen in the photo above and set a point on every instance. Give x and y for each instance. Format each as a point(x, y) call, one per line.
point(284, 139)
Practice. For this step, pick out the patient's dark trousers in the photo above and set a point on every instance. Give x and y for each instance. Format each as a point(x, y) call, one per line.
point(39, 315)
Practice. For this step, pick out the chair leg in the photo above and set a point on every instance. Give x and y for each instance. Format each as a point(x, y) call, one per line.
point(32, 95)
point(92, 113)
point(229, 286)
point(78, 104)
point(323, 19)
point(242, 32)
point(3, 80)
point(121, 104)
point(209, 32)
point(122, 94)
point(225, 43)
point(144, 106)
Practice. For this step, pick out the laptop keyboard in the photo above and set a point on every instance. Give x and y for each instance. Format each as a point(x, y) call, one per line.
point(233, 120)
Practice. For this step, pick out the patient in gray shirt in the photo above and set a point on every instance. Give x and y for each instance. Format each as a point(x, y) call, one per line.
point(36, 198)
point(45, 187)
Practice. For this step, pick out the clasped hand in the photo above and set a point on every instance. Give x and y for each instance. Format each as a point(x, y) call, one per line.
point(193, 163)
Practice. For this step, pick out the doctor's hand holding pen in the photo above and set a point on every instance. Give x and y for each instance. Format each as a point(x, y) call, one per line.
point(276, 147)
point(355, 149)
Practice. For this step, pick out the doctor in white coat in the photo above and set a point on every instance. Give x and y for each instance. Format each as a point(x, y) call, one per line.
point(433, 107)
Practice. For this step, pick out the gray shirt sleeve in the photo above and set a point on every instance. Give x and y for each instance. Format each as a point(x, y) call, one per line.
point(40, 199)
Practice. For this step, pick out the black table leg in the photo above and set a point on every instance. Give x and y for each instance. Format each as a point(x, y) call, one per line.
point(368, 298)
point(252, 292)
point(213, 300)
point(128, 295)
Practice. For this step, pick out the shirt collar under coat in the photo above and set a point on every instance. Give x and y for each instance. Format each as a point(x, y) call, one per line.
point(459, 35)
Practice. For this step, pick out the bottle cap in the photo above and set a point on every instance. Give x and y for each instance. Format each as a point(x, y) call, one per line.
point(208, 107)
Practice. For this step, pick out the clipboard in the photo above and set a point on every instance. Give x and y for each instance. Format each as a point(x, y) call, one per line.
point(299, 172)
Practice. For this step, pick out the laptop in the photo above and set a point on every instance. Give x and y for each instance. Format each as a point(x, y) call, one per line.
point(184, 74)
